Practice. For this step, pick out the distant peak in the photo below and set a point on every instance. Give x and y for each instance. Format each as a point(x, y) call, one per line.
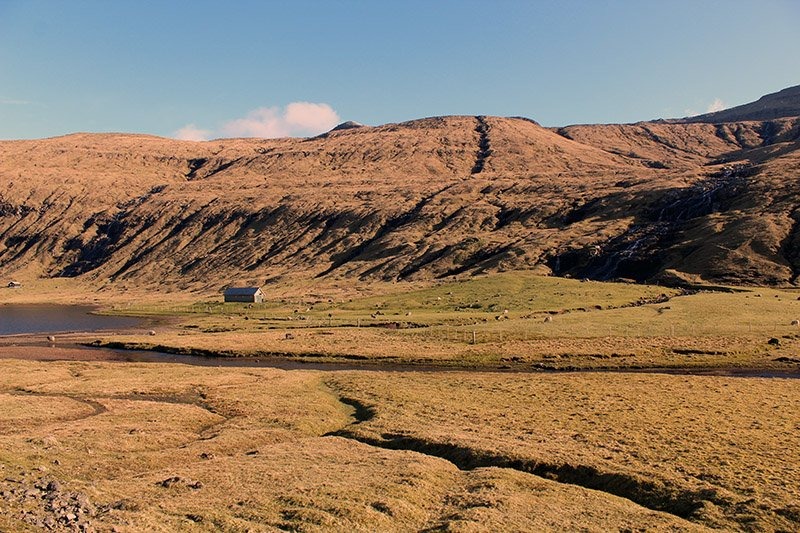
point(349, 125)
point(784, 103)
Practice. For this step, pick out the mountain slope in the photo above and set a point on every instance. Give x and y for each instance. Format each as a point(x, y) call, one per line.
point(423, 199)
point(785, 103)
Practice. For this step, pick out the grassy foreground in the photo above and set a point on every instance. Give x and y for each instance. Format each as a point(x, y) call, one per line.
point(143, 447)
point(106, 446)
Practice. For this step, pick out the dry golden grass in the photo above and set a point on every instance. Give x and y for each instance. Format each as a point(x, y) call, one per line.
point(170, 447)
point(719, 451)
point(253, 449)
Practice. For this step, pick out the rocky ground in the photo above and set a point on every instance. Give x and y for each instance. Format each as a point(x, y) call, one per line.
point(41, 501)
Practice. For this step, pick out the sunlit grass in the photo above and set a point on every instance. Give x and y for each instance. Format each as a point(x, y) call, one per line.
point(491, 320)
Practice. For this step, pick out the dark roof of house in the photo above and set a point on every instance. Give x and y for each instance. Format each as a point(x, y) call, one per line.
point(241, 291)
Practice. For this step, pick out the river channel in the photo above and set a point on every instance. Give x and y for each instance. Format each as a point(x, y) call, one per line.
point(21, 326)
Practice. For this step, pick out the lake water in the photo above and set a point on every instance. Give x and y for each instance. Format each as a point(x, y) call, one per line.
point(17, 319)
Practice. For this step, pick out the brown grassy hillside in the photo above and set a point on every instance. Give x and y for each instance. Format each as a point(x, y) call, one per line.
point(419, 200)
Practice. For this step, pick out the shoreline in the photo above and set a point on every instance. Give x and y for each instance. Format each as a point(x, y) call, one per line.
point(74, 351)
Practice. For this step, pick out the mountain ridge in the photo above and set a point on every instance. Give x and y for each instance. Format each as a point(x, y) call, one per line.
point(781, 104)
point(423, 199)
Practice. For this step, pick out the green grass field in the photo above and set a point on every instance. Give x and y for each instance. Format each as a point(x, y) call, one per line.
point(516, 318)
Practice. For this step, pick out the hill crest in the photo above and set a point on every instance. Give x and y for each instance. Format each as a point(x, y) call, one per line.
point(423, 199)
point(782, 104)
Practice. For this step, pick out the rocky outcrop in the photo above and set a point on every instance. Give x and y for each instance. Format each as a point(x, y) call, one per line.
point(42, 501)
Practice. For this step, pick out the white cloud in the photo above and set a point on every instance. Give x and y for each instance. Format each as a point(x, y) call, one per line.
point(315, 118)
point(298, 119)
point(190, 132)
point(716, 105)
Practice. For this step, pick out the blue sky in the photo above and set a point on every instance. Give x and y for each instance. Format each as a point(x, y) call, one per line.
point(232, 68)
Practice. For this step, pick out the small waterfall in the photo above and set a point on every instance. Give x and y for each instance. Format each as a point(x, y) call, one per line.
point(634, 254)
